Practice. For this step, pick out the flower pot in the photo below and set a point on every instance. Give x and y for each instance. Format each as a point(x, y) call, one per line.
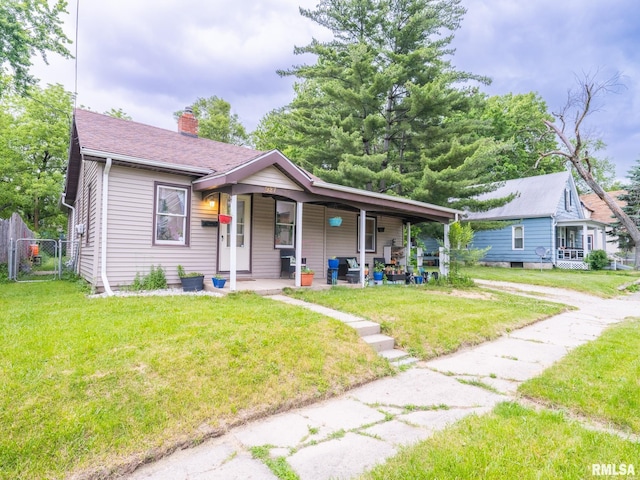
point(377, 276)
point(335, 221)
point(224, 219)
point(192, 284)
point(418, 279)
point(218, 282)
point(333, 263)
point(306, 279)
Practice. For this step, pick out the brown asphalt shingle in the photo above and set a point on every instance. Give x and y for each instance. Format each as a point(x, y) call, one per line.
point(125, 137)
point(601, 211)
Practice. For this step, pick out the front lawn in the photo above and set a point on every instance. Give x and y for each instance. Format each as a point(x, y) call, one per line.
point(603, 283)
point(96, 382)
point(429, 322)
point(600, 379)
point(511, 442)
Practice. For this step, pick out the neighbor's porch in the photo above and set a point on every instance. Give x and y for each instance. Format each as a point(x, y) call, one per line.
point(575, 239)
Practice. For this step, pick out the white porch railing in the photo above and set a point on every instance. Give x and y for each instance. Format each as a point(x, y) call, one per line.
point(576, 254)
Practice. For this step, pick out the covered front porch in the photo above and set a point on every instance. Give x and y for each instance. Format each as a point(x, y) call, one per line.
point(575, 239)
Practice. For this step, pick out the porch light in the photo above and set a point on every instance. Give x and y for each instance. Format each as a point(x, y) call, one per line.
point(213, 199)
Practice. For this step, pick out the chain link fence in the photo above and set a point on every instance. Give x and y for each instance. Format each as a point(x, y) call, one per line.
point(37, 259)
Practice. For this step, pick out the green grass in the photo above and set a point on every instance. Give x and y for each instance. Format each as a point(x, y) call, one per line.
point(430, 322)
point(603, 283)
point(87, 383)
point(510, 442)
point(600, 379)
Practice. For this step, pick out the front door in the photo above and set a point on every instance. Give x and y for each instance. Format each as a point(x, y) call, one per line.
point(243, 237)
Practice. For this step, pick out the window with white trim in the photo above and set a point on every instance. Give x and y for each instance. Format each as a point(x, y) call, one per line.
point(517, 237)
point(171, 212)
point(285, 224)
point(369, 234)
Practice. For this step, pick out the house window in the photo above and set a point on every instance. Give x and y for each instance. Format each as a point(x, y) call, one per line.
point(369, 234)
point(517, 234)
point(285, 227)
point(171, 215)
point(567, 199)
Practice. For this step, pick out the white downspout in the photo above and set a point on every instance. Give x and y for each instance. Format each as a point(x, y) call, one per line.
point(103, 246)
point(72, 233)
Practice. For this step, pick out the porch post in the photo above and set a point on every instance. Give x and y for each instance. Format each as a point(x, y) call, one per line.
point(298, 243)
point(233, 250)
point(363, 226)
point(604, 239)
point(407, 253)
point(444, 252)
point(585, 234)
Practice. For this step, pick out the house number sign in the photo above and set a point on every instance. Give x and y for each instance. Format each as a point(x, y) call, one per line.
point(270, 190)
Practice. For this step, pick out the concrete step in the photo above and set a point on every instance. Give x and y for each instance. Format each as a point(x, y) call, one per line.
point(394, 354)
point(404, 361)
point(365, 327)
point(379, 342)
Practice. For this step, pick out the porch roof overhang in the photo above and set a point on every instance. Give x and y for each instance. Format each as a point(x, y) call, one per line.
point(577, 222)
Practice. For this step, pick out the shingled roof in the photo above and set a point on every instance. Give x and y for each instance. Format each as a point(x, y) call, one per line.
point(535, 197)
point(600, 211)
point(126, 138)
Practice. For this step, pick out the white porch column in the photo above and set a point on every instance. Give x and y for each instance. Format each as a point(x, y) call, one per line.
point(233, 250)
point(298, 243)
point(407, 250)
point(604, 239)
point(363, 226)
point(585, 234)
point(444, 252)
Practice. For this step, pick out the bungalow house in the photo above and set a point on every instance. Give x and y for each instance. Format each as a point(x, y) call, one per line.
point(141, 196)
point(544, 225)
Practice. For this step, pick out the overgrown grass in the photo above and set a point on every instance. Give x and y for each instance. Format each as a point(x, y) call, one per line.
point(511, 442)
point(600, 379)
point(603, 283)
point(430, 322)
point(93, 382)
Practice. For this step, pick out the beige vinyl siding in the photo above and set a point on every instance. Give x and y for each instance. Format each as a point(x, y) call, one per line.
point(342, 241)
point(88, 245)
point(130, 248)
point(313, 231)
point(271, 177)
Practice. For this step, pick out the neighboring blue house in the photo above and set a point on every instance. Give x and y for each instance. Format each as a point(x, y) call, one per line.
point(546, 217)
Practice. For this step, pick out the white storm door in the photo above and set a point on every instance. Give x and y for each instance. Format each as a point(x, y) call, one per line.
point(243, 237)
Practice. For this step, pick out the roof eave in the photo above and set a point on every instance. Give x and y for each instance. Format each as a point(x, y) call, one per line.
point(143, 162)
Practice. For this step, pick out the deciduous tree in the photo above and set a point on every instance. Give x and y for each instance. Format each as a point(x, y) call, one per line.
point(27, 28)
point(574, 145)
point(216, 122)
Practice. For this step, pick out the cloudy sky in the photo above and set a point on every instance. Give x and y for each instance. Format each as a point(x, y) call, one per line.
point(153, 57)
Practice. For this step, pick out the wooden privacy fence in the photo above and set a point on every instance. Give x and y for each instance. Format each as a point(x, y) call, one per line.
point(13, 228)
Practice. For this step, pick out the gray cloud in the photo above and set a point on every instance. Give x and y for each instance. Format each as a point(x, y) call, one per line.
point(153, 57)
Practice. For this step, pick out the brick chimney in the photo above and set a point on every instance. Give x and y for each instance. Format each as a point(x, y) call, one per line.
point(187, 123)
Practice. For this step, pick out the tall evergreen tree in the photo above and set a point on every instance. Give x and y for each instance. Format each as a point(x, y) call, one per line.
point(383, 108)
point(632, 209)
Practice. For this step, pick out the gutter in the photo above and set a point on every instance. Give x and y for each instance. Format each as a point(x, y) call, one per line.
point(73, 222)
point(146, 163)
point(103, 241)
point(382, 196)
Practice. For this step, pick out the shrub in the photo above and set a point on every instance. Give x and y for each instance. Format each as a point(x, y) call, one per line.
point(154, 280)
point(597, 260)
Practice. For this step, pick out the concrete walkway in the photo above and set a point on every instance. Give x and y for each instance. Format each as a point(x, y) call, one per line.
point(347, 435)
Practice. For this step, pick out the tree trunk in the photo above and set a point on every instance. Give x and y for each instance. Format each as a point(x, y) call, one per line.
point(573, 156)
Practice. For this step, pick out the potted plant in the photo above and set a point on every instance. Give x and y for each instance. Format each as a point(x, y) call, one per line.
point(218, 281)
point(191, 282)
point(378, 271)
point(306, 277)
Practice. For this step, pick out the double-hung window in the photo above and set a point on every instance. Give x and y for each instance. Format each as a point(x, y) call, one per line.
point(369, 234)
point(285, 227)
point(171, 215)
point(517, 235)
